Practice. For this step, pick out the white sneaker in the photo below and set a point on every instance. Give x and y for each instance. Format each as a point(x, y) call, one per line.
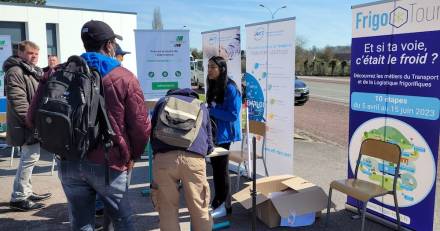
point(219, 211)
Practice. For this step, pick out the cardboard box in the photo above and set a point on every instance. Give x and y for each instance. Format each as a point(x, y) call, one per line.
point(299, 197)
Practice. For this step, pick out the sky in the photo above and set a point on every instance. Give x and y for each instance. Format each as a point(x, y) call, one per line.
point(318, 22)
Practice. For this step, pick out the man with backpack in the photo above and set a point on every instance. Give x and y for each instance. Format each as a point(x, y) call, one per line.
point(109, 107)
point(22, 77)
point(181, 138)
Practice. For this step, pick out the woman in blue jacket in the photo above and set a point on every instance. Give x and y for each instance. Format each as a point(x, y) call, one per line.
point(224, 104)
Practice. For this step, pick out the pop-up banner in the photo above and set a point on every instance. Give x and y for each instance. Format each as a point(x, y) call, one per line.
point(163, 61)
point(224, 43)
point(270, 67)
point(5, 52)
point(395, 69)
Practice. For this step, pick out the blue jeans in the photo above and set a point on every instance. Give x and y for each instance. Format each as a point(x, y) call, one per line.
point(81, 181)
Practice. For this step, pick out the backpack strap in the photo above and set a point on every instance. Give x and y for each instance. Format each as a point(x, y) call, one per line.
point(105, 128)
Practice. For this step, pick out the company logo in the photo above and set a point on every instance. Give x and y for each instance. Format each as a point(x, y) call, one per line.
point(259, 33)
point(398, 17)
point(179, 41)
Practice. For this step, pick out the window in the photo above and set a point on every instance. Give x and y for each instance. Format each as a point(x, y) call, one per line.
point(17, 31)
point(51, 36)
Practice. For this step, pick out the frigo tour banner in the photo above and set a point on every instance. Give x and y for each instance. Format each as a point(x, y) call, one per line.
point(5, 52)
point(224, 43)
point(163, 61)
point(270, 67)
point(394, 86)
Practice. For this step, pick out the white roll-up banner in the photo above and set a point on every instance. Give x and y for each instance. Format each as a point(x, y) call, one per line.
point(270, 67)
point(163, 60)
point(5, 52)
point(224, 43)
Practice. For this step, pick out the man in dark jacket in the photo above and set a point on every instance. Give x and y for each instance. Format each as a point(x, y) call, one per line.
point(82, 180)
point(174, 163)
point(21, 81)
point(52, 62)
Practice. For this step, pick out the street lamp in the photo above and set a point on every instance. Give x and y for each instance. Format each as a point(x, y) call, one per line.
point(272, 13)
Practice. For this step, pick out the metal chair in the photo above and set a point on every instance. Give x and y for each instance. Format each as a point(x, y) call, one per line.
point(240, 157)
point(362, 190)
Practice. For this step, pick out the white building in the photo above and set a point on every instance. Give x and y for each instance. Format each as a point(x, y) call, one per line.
point(57, 29)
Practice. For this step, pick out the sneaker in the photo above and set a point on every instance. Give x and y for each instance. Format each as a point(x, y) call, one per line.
point(25, 205)
point(39, 197)
point(221, 211)
point(99, 213)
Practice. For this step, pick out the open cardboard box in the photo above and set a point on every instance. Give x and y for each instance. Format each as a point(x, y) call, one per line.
point(299, 198)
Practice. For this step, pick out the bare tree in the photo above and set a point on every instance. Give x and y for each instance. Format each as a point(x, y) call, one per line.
point(157, 20)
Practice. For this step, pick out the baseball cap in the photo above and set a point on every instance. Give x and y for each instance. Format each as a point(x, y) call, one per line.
point(119, 51)
point(95, 31)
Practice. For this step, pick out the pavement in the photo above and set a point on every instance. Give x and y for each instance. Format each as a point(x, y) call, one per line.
point(314, 160)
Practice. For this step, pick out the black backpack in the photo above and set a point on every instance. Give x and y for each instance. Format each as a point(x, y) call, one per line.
point(71, 118)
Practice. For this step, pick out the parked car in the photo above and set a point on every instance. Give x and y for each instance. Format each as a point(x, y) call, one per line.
point(301, 92)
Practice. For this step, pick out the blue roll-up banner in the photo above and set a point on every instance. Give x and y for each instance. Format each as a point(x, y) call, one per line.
point(395, 92)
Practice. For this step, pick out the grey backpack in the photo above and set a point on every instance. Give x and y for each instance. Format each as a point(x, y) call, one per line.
point(178, 122)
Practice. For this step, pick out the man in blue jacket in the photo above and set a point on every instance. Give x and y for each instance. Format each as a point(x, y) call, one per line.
point(174, 163)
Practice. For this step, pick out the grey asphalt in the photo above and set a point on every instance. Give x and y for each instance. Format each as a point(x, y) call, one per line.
point(335, 89)
point(315, 161)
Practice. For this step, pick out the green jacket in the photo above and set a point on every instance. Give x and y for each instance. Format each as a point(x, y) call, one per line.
point(21, 82)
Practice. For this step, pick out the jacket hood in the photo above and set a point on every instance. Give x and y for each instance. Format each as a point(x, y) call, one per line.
point(184, 92)
point(103, 64)
point(17, 61)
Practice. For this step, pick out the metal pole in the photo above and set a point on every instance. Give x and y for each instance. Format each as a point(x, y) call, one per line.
point(254, 185)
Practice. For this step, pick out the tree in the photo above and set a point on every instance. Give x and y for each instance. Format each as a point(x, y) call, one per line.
point(306, 69)
point(343, 65)
point(196, 53)
point(332, 64)
point(301, 54)
point(157, 24)
point(35, 2)
point(327, 54)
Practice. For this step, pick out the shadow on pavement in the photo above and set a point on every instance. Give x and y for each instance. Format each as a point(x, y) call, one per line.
point(54, 216)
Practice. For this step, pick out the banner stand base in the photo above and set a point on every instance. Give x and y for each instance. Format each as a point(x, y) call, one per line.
point(376, 219)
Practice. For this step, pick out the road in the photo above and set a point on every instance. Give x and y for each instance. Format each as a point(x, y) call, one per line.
point(325, 115)
point(330, 89)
